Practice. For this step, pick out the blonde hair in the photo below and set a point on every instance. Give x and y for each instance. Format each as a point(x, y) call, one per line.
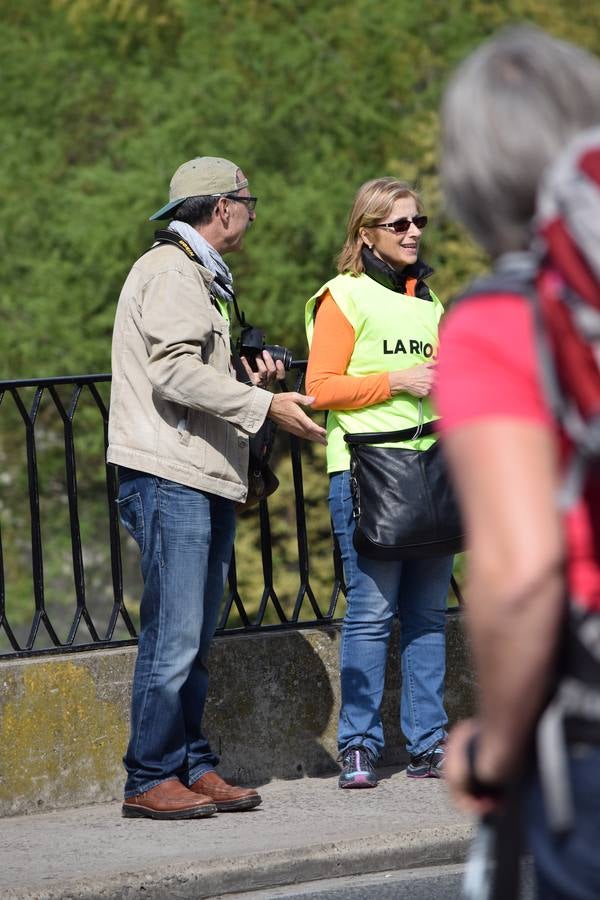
point(373, 202)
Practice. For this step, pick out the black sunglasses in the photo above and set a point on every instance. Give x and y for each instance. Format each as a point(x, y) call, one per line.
point(249, 201)
point(401, 226)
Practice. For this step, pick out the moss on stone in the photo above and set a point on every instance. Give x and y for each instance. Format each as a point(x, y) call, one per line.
point(57, 738)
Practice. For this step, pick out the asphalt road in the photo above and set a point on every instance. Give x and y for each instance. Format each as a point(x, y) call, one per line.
point(434, 883)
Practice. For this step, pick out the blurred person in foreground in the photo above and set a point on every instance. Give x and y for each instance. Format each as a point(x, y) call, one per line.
point(509, 113)
point(179, 430)
point(373, 334)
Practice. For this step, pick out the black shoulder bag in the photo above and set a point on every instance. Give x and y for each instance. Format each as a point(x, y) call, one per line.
point(403, 502)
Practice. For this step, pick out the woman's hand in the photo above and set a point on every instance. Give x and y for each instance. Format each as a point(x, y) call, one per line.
point(267, 370)
point(417, 380)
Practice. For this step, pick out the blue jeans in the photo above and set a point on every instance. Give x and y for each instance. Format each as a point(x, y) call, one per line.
point(185, 538)
point(568, 867)
point(415, 590)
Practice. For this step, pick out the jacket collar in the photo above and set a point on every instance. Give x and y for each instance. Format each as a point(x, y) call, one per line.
point(387, 276)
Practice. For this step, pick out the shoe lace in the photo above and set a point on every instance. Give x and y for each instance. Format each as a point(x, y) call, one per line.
point(429, 755)
point(365, 757)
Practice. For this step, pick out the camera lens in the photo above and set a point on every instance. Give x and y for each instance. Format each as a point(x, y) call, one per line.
point(280, 353)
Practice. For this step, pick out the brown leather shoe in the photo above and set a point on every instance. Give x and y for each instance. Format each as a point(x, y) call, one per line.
point(169, 800)
point(226, 797)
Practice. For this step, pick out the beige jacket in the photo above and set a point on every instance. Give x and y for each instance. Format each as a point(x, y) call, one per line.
point(177, 410)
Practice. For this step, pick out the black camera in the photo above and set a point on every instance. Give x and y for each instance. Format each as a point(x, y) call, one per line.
point(252, 342)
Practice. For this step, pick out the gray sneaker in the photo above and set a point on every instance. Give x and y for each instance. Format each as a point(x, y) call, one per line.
point(429, 764)
point(357, 768)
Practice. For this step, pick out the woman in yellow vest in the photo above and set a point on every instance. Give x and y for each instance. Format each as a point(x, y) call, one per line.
point(373, 335)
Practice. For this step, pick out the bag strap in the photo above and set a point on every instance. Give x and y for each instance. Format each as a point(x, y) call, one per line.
point(384, 437)
point(404, 434)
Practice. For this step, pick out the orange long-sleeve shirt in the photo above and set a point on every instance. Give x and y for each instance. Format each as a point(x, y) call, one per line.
point(330, 352)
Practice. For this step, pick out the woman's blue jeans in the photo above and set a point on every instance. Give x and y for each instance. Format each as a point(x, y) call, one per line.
point(185, 538)
point(415, 590)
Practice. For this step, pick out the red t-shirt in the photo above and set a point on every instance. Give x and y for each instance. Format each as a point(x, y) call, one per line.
point(488, 367)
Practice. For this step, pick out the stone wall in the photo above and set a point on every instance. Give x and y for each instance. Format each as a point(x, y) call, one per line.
point(272, 712)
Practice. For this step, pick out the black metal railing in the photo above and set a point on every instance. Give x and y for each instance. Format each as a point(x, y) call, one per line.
point(62, 572)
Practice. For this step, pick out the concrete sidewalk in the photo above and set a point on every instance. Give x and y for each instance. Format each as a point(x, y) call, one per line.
point(305, 829)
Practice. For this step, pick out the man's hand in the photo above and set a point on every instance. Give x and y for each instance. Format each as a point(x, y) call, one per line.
point(418, 380)
point(286, 411)
point(457, 772)
point(267, 370)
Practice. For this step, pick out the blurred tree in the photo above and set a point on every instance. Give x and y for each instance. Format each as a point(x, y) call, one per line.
point(103, 99)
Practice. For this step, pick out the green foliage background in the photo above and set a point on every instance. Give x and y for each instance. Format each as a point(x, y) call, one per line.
point(103, 99)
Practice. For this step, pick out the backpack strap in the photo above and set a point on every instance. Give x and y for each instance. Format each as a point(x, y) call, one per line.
point(518, 273)
point(514, 273)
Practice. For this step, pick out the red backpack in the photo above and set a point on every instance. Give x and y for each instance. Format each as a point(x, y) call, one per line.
point(560, 277)
point(568, 302)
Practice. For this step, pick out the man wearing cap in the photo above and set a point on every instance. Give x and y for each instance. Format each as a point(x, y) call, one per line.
point(178, 431)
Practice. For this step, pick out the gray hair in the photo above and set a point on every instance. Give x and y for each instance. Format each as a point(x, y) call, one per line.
point(196, 210)
point(508, 111)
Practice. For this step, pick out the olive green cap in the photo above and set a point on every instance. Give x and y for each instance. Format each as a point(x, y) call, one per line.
point(201, 177)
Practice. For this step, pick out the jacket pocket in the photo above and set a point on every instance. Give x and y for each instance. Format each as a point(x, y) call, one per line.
point(183, 430)
point(218, 349)
point(131, 514)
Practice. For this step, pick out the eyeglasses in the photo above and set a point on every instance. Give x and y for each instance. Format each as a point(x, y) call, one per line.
point(401, 226)
point(249, 201)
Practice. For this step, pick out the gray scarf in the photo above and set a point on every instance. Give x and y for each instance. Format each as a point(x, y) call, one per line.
point(209, 258)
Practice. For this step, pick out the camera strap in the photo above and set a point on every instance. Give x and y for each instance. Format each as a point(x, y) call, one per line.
point(170, 237)
point(164, 236)
point(264, 481)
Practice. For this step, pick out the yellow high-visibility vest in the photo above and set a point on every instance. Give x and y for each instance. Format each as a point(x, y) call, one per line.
point(392, 331)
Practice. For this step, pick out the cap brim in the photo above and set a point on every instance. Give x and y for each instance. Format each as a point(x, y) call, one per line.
point(165, 211)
